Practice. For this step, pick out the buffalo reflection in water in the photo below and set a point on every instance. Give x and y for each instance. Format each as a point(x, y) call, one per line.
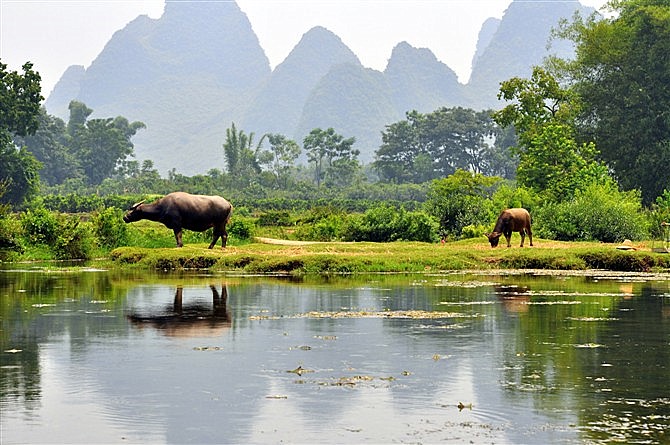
point(514, 298)
point(194, 320)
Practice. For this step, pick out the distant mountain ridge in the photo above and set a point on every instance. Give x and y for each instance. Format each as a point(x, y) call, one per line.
point(199, 67)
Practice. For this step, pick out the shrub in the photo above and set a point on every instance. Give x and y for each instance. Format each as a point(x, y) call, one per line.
point(460, 200)
point(599, 212)
point(74, 240)
point(10, 242)
point(506, 197)
point(40, 226)
point(328, 228)
point(241, 228)
point(274, 218)
point(660, 213)
point(475, 231)
point(109, 228)
point(385, 223)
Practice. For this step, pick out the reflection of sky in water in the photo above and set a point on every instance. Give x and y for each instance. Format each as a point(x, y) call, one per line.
point(103, 379)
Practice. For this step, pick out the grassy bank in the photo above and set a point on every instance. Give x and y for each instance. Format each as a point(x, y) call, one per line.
point(267, 256)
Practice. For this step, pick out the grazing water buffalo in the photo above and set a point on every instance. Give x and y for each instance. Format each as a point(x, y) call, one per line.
point(181, 210)
point(511, 220)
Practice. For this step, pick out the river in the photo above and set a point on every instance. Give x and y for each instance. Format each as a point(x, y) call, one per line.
point(93, 356)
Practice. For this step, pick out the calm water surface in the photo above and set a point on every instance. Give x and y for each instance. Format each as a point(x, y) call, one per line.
point(101, 357)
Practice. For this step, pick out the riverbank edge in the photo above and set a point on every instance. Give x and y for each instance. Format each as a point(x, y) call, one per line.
point(267, 256)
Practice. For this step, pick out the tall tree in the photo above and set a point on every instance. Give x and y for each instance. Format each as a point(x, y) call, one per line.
point(334, 158)
point(49, 145)
point(622, 73)
point(20, 97)
point(543, 113)
point(284, 151)
point(242, 158)
point(100, 145)
point(435, 145)
point(403, 155)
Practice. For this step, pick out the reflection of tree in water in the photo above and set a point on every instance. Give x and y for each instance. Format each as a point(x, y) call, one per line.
point(190, 320)
point(582, 356)
point(25, 299)
point(631, 374)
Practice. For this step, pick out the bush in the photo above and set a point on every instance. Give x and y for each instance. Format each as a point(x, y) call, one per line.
point(507, 197)
point(74, 241)
point(599, 212)
point(275, 218)
point(475, 231)
point(109, 228)
point(241, 228)
point(10, 242)
point(660, 213)
point(460, 200)
point(385, 223)
point(40, 226)
point(328, 228)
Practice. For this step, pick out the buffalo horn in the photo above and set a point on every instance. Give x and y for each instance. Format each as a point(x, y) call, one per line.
point(137, 204)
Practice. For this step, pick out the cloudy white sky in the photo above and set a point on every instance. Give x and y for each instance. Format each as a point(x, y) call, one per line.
point(54, 34)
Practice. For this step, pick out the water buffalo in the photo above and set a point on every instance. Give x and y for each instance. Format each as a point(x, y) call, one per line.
point(181, 210)
point(511, 220)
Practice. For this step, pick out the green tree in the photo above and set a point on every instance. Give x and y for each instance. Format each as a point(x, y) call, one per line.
point(102, 145)
point(621, 72)
point(543, 114)
point(19, 170)
point(334, 158)
point(403, 155)
point(49, 145)
point(284, 154)
point(434, 145)
point(242, 158)
point(20, 97)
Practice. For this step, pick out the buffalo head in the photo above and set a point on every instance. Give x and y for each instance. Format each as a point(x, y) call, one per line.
point(134, 213)
point(494, 237)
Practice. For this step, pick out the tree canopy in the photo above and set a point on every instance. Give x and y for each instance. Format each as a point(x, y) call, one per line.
point(543, 113)
point(20, 97)
point(434, 145)
point(621, 73)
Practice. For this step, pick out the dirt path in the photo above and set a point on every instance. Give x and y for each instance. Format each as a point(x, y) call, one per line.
point(285, 242)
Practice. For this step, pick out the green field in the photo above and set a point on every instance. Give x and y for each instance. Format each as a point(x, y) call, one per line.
point(294, 257)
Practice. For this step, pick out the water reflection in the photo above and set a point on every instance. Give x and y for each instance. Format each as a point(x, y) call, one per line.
point(514, 298)
point(190, 320)
point(176, 359)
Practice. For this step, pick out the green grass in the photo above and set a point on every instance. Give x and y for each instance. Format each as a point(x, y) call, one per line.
point(324, 258)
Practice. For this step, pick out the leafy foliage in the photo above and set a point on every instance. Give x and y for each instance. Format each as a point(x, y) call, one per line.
point(429, 146)
point(100, 145)
point(74, 241)
point(335, 161)
point(621, 73)
point(109, 228)
point(242, 159)
point(543, 114)
point(40, 226)
point(599, 212)
point(461, 200)
point(385, 224)
point(20, 97)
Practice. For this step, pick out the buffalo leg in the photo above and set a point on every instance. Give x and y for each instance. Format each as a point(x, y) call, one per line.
point(219, 233)
point(224, 238)
point(530, 236)
point(214, 240)
point(177, 236)
point(522, 232)
point(508, 237)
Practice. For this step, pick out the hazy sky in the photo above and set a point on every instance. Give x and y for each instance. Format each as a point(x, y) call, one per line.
point(54, 34)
